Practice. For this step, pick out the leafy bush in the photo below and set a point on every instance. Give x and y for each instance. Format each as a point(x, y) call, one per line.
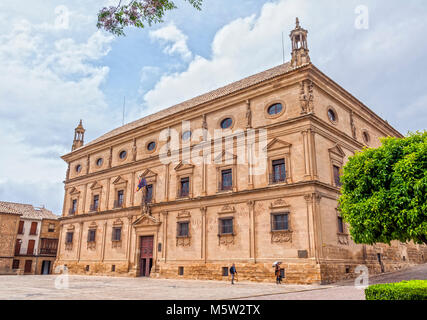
point(405, 290)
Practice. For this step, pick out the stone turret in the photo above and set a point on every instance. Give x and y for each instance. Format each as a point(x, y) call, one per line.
point(79, 134)
point(300, 50)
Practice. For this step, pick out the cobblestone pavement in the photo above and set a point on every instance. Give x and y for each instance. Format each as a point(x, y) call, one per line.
point(97, 287)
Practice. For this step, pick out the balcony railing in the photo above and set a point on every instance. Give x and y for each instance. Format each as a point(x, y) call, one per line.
point(71, 212)
point(274, 178)
point(222, 187)
point(48, 251)
point(118, 204)
point(182, 193)
point(24, 252)
point(94, 208)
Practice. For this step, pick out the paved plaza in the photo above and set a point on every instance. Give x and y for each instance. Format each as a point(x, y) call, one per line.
point(100, 288)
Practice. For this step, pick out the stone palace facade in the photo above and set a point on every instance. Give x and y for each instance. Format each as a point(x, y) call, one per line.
point(245, 174)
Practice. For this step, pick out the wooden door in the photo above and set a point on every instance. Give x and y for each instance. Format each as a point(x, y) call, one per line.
point(30, 249)
point(28, 264)
point(146, 261)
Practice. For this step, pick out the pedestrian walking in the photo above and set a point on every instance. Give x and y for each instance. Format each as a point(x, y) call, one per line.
point(233, 273)
point(277, 272)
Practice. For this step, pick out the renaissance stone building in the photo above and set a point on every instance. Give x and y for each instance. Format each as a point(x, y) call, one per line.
point(208, 203)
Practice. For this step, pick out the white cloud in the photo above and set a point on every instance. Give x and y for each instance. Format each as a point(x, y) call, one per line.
point(48, 81)
point(241, 48)
point(175, 40)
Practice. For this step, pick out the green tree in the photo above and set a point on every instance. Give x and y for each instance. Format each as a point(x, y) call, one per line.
point(136, 13)
point(384, 191)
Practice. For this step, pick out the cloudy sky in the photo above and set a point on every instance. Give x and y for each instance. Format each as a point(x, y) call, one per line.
point(57, 68)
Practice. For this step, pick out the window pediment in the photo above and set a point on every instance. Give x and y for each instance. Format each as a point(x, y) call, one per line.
point(148, 175)
point(225, 157)
point(95, 186)
point(184, 167)
point(279, 204)
point(337, 150)
point(227, 209)
point(74, 191)
point(120, 181)
point(277, 144)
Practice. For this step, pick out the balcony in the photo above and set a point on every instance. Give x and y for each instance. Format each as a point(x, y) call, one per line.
point(71, 212)
point(48, 251)
point(275, 179)
point(94, 208)
point(222, 187)
point(118, 204)
point(182, 193)
point(25, 251)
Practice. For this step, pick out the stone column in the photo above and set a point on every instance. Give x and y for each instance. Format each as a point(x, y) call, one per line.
point(165, 234)
point(313, 162)
point(252, 242)
point(307, 168)
point(203, 233)
point(107, 196)
point(84, 199)
point(61, 228)
point(79, 247)
point(132, 188)
point(166, 182)
point(104, 233)
point(128, 243)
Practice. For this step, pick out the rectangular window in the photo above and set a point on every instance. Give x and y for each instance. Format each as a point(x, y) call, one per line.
point(337, 174)
point(15, 264)
point(279, 171)
point(95, 202)
point(280, 222)
point(226, 226)
point(120, 198)
point(91, 235)
point(181, 271)
point(226, 179)
point(225, 271)
point(21, 227)
point(51, 227)
point(340, 225)
point(33, 230)
point(74, 206)
point(30, 248)
point(69, 237)
point(149, 195)
point(183, 229)
point(117, 233)
point(185, 187)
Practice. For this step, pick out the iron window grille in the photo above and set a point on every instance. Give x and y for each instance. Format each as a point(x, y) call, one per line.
point(183, 229)
point(280, 222)
point(117, 234)
point(225, 226)
point(226, 180)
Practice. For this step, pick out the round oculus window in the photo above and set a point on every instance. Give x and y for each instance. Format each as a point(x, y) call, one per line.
point(186, 135)
point(78, 168)
point(331, 115)
point(99, 162)
point(123, 154)
point(275, 109)
point(151, 146)
point(226, 123)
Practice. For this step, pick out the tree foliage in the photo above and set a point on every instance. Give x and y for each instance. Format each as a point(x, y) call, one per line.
point(384, 191)
point(136, 13)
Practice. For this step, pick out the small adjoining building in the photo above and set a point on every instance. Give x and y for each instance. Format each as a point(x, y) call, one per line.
point(195, 218)
point(35, 240)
